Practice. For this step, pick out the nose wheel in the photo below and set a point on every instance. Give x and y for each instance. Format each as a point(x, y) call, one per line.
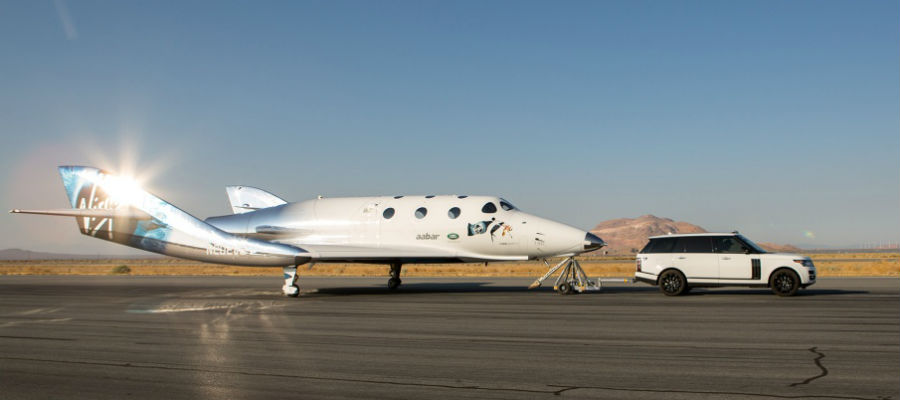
point(572, 278)
point(395, 281)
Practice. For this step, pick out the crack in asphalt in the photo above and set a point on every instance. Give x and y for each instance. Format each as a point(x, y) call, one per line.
point(818, 361)
point(556, 390)
point(710, 392)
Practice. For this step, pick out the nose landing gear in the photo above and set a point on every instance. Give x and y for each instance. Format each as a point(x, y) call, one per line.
point(571, 279)
point(395, 281)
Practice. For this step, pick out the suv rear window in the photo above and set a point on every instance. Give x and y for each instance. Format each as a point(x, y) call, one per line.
point(693, 244)
point(729, 245)
point(661, 245)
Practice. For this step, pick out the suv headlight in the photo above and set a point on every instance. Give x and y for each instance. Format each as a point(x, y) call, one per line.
point(805, 262)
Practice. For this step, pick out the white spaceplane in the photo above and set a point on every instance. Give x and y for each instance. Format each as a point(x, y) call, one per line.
point(268, 231)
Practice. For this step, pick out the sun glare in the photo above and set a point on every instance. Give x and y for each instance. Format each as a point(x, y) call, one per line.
point(126, 163)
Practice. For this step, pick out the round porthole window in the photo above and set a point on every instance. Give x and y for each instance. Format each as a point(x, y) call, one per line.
point(453, 213)
point(388, 213)
point(421, 212)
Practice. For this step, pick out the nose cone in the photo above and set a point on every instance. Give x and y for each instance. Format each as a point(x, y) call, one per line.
point(592, 242)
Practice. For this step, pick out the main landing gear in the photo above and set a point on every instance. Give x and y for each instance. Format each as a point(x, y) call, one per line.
point(395, 281)
point(572, 278)
point(290, 287)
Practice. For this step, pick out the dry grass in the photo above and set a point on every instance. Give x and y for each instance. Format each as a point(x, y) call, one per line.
point(839, 264)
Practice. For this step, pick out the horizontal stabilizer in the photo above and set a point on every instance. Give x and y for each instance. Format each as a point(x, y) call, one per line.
point(127, 212)
point(244, 199)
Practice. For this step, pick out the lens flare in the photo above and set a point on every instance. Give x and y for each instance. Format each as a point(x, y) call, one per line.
point(126, 162)
point(809, 234)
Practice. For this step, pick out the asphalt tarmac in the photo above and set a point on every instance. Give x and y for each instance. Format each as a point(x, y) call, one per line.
point(237, 338)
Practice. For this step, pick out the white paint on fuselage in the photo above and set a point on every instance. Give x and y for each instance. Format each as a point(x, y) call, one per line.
point(355, 228)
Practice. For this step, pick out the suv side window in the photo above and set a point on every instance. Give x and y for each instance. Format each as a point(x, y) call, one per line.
point(661, 245)
point(729, 245)
point(693, 244)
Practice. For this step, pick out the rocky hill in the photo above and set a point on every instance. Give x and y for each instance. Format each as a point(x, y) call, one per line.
point(779, 248)
point(628, 235)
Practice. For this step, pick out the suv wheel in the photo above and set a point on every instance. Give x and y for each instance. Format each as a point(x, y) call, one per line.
point(784, 282)
point(672, 283)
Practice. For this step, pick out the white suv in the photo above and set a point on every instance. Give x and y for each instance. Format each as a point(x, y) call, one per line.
point(679, 262)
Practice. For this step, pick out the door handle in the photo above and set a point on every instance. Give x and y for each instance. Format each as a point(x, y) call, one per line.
point(682, 258)
point(726, 258)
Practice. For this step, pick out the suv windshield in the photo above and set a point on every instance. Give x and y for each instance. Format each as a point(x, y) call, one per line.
point(753, 246)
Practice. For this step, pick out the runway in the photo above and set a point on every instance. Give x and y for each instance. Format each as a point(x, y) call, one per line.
point(348, 338)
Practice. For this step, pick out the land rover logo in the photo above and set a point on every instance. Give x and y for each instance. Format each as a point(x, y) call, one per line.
point(452, 236)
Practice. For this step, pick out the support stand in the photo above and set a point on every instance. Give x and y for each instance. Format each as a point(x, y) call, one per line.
point(571, 279)
point(290, 287)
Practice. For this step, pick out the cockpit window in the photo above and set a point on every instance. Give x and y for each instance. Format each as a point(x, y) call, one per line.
point(489, 208)
point(506, 206)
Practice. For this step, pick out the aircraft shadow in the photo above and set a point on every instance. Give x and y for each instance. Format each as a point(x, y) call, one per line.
point(460, 287)
point(412, 288)
point(486, 287)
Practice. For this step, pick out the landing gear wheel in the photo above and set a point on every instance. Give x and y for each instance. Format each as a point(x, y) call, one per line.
point(784, 283)
point(395, 281)
point(290, 287)
point(672, 283)
point(565, 288)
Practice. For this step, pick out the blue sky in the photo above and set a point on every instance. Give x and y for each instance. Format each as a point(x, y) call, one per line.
point(779, 119)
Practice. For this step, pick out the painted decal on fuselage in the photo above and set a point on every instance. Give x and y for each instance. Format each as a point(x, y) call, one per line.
point(479, 227)
point(219, 250)
point(494, 227)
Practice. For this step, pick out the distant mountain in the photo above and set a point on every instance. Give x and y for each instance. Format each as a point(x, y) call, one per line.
point(19, 254)
point(779, 248)
point(629, 235)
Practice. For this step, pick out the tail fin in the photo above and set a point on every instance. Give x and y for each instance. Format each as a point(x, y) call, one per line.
point(245, 199)
point(117, 209)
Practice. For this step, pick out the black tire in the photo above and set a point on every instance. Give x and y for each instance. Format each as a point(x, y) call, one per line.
point(394, 283)
point(564, 288)
point(784, 282)
point(295, 294)
point(672, 283)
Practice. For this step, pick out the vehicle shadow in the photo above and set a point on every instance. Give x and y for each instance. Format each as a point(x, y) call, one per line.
point(800, 293)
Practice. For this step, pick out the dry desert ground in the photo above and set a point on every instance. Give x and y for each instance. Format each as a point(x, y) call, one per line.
point(832, 264)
